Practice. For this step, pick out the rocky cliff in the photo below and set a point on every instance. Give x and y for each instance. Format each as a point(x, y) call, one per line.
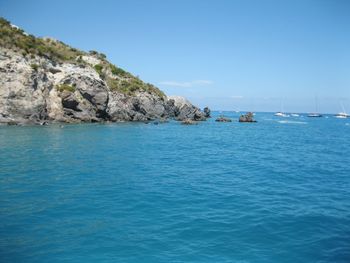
point(44, 80)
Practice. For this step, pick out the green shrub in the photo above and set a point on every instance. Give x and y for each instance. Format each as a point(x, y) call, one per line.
point(113, 84)
point(132, 85)
point(119, 72)
point(35, 67)
point(80, 60)
point(93, 52)
point(154, 90)
point(99, 68)
point(13, 38)
point(65, 87)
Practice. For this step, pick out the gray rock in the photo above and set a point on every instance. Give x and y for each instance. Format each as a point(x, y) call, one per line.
point(139, 117)
point(207, 112)
point(223, 119)
point(120, 107)
point(23, 90)
point(30, 93)
point(150, 106)
point(185, 110)
point(249, 117)
point(170, 108)
point(188, 122)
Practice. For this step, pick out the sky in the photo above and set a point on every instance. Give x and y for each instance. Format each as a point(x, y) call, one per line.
point(259, 55)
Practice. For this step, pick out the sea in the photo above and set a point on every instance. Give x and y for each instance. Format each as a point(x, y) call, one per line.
point(273, 191)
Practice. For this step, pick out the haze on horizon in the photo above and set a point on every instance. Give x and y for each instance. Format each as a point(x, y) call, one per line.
point(228, 55)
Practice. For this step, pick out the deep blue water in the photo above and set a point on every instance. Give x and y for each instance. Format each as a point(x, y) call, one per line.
point(274, 191)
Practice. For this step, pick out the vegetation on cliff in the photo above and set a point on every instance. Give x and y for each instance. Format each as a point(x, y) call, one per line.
point(65, 87)
point(14, 38)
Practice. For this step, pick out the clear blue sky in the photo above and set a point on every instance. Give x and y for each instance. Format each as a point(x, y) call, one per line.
point(229, 55)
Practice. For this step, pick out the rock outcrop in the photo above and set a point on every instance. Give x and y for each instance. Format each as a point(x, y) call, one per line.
point(188, 122)
point(184, 110)
point(207, 112)
point(249, 117)
point(223, 119)
point(44, 80)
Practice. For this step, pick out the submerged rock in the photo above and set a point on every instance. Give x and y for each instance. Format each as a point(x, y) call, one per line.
point(249, 117)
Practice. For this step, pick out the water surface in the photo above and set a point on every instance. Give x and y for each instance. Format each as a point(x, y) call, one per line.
point(274, 191)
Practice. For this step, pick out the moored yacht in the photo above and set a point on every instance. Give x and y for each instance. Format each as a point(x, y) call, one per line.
point(281, 114)
point(342, 115)
point(315, 115)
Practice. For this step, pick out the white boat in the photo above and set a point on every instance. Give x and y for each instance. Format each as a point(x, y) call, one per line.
point(295, 115)
point(343, 114)
point(315, 114)
point(281, 114)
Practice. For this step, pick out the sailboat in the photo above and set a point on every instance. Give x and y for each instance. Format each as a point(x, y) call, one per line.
point(281, 113)
point(315, 114)
point(343, 114)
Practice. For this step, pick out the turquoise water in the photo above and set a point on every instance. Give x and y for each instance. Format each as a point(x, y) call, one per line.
point(274, 191)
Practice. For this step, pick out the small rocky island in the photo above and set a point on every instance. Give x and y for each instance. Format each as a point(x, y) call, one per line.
point(249, 117)
point(223, 119)
point(43, 80)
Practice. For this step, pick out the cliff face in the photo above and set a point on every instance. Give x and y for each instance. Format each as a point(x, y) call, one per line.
point(46, 80)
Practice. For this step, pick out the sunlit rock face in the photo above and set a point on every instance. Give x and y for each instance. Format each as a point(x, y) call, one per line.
point(45, 80)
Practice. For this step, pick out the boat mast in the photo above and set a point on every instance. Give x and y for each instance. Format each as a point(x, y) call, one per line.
point(342, 107)
point(282, 110)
